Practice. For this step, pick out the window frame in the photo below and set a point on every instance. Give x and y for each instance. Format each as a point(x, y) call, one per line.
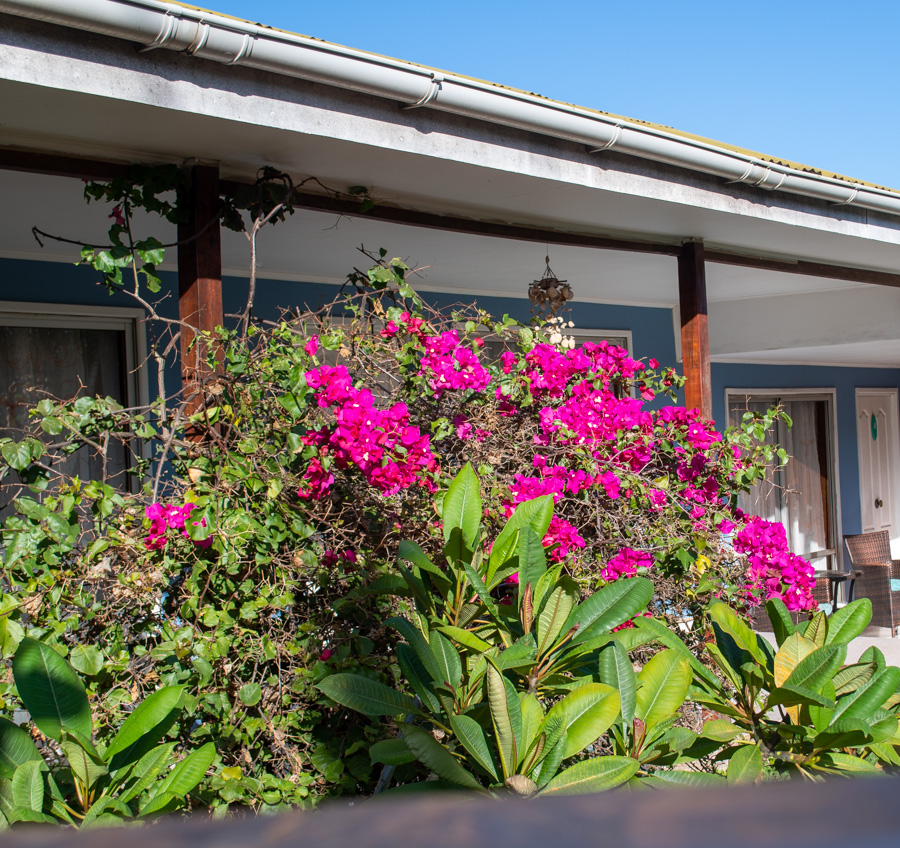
point(829, 396)
point(129, 320)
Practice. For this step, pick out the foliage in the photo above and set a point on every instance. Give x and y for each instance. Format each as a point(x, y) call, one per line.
point(247, 550)
point(131, 777)
point(502, 658)
point(800, 708)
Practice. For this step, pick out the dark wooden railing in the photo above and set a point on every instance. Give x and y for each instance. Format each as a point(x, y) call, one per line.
point(861, 813)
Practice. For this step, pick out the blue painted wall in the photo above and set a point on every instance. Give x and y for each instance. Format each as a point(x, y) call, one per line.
point(652, 329)
point(844, 380)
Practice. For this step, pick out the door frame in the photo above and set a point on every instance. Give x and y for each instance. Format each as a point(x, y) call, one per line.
point(889, 390)
point(828, 394)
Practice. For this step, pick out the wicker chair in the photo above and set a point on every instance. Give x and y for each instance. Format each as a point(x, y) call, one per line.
point(870, 553)
point(822, 594)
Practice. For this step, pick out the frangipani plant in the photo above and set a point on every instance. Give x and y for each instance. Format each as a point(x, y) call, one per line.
point(132, 777)
point(799, 707)
point(487, 654)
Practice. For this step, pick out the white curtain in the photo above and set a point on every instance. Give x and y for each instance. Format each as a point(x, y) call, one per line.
point(793, 495)
point(805, 514)
point(60, 362)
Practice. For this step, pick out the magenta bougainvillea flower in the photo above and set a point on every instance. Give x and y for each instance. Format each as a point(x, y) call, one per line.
point(164, 518)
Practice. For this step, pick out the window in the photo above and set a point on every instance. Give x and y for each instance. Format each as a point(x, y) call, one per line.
point(59, 351)
point(620, 338)
point(802, 494)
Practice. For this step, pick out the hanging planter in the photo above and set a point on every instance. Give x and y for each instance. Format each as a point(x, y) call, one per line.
point(549, 294)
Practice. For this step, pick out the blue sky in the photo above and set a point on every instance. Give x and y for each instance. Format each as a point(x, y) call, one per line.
point(815, 82)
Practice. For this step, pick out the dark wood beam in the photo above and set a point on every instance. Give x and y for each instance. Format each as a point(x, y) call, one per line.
point(94, 169)
point(470, 226)
point(694, 327)
point(58, 165)
point(199, 279)
point(801, 266)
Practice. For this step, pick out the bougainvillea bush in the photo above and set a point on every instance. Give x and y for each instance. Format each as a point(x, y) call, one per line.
point(252, 551)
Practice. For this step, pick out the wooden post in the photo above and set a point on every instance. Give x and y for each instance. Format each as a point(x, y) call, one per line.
point(694, 327)
point(199, 279)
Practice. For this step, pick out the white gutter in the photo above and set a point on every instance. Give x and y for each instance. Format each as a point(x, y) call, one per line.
point(156, 24)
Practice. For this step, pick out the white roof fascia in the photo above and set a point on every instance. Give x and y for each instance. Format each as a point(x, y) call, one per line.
point(156, 24)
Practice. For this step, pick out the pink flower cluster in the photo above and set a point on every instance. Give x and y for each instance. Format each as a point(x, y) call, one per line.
point(550, 371)
point(448, 364)
point(390, 453)
point(772, 569)
point(164, 518)
point(626, 564)
point(407, 322)
point(562, 537)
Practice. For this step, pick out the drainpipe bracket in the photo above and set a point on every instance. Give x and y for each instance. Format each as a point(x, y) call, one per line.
point(434, 88)
point(614, 139)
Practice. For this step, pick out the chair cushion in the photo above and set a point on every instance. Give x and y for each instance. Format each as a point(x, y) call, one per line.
point(827, 607)
point(895, 585)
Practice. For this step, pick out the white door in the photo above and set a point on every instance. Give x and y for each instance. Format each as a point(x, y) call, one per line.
point(878, 440)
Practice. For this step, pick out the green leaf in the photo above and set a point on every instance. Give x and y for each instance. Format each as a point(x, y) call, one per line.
point(817, 667)
point(102, 805)
point(845, 733)
point(780, 618)
point(87, 659)
point(465, 638)
point(795, 696)
point(416, 641)
point(148, 722)
point(16, 749)
point(182, 779)
point(721, 730)
point(795, 648)
point(664, 778)
point(588, 712)
point(366, 696)
point(536, 514)
point(594, 775)
point(446, 660)
point(391, 752)
point(472, 737)
point(532, 559)
point(849, 621)
point(431, 753)
point(746, 765)
point(412, 553)
point(735, 627)
point(24, 814)
point(20, 454)
point(462, 505)
point(28, 786)
point(663, 685)
point(616, 671)
point(554, 614)
point(870, 696)
point(50, 690)
point(506, 715)
point(662, 634)
point(85, 764)
point(609, 607)
point(417, 676)
point(817, 629)
point(146, 770)
point(250, 694)
point(837, 762)
point(532, 721)
point(851, 677)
